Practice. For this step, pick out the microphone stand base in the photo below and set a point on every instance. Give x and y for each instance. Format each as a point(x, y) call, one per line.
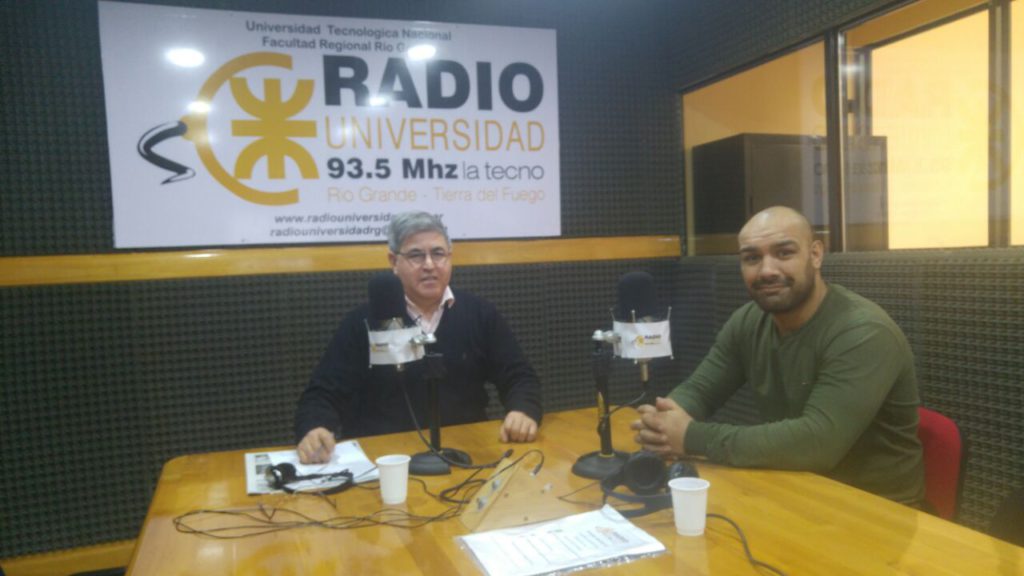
point(430, 464)
point(598, 466)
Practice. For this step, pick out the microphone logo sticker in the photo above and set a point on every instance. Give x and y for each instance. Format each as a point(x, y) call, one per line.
point(643, 339)
point(392, 347)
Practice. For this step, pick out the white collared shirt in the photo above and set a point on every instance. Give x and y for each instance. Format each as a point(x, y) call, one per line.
point(430, 323)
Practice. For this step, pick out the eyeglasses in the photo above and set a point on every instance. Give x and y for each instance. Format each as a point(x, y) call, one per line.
point(418, 257)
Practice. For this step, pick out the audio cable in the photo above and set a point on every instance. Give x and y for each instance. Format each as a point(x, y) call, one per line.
point(264, 519)
point(746, 547)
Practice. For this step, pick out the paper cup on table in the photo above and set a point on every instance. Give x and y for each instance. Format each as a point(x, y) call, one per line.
point(690, 504)
point(394, 477)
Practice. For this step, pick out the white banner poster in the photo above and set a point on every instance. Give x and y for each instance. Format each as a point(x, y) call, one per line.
point(229, 128)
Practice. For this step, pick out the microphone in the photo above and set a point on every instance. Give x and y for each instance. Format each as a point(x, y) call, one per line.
point(387, 301)
point(392, 343)
point(640, 331)
point(637, 297)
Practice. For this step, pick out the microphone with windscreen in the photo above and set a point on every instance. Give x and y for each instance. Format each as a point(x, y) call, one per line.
point(640, 332)
point(387, 301)
point(640, 327)
point(392, 343)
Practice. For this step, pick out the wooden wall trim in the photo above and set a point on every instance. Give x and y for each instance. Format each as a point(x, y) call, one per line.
point(105, 557)
point(135, 266)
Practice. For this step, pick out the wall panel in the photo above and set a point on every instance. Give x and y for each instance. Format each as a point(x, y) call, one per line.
point(105, 383)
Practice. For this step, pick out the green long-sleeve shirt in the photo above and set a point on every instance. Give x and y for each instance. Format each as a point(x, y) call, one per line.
point(838, 397)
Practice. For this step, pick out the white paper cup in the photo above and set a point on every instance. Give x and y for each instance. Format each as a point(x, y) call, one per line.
point(690, 504)
point(394, 477)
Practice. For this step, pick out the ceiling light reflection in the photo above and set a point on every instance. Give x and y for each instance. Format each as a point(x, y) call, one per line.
point(185, 57)
point(199, 107)
point(421, 52)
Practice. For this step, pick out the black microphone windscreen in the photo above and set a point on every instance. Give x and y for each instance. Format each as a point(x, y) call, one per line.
point(636, 295)
point(387, 298)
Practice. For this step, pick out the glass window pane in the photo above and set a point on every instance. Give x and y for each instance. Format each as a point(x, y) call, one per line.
point(916, 146)
point(753, 140)
point(1017, 123)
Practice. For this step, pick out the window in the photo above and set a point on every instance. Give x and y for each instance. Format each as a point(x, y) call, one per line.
point(916, 128)
point(1017, 123)
point(928, 123)
point(753, 140)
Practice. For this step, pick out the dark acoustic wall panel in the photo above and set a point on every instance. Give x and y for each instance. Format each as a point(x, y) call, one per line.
point(972, 350)
point(69, 407)
point(963, 313)
point(54, 170)
point(218, 359)
point(708, 290)
point(715, 37)
point(102, 384)
point(621, 173)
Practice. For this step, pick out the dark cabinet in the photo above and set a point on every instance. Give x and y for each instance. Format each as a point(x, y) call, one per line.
point(736, 177)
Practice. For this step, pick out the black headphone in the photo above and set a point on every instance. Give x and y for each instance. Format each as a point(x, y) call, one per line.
point(279, 476)
point(646, 476)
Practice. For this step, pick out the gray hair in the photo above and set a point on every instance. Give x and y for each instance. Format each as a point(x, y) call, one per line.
point(408, 223)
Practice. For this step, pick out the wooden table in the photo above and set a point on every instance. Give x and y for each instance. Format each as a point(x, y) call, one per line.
point(799, 522)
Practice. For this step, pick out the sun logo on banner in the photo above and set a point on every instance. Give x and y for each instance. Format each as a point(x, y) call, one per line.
point(271, 124)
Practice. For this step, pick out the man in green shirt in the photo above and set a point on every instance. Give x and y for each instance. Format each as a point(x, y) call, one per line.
point(832, 374)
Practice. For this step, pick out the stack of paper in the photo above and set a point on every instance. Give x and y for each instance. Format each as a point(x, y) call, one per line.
point(599, 538)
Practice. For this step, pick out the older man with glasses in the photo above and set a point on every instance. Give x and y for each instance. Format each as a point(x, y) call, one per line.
point(346, 398)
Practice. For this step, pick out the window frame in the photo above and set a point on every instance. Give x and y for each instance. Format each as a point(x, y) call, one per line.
point(999, 115)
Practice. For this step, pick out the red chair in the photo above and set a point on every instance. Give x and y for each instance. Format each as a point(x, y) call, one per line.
point(944, 456)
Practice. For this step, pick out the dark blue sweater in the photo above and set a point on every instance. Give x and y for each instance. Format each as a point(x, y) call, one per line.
point(353, 399)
